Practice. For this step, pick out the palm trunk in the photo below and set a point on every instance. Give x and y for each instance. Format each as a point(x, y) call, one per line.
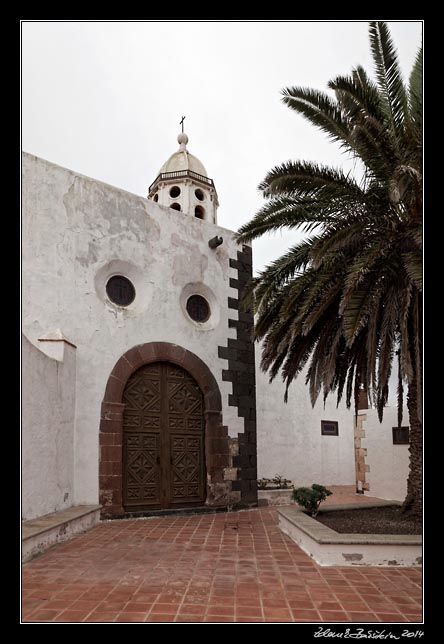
point(413, 500)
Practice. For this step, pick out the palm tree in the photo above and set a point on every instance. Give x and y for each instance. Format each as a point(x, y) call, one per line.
point(347, 300)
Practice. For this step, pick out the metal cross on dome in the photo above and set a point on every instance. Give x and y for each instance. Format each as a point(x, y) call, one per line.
point(181, 122)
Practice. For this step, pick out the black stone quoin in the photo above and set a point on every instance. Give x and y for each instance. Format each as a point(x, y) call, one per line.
point(239, 353)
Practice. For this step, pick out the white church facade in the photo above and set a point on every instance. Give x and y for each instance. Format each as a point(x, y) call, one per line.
point(141, 388)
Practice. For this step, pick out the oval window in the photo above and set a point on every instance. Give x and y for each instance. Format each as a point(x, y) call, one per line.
point(198, 308)
point(199, 194)
point(120, 290)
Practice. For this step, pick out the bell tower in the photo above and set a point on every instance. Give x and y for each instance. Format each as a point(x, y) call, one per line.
point(183, 184)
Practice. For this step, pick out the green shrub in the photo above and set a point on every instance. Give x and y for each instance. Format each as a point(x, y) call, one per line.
point(281, 482)
point(311, 498)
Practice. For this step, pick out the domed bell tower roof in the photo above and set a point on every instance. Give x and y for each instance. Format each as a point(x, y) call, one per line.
point(183, 160)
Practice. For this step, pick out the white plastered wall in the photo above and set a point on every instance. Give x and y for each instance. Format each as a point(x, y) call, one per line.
point(76, 233)
point(388, 464)
point(48, 399)
point(289, 435)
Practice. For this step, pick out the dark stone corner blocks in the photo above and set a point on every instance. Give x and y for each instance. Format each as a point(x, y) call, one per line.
point(239, 354)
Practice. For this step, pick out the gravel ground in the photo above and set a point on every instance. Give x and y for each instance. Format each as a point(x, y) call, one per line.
point(382, 520)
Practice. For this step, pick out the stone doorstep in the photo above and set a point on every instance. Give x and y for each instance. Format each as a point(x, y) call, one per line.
point(323, 534)
point(203, 509)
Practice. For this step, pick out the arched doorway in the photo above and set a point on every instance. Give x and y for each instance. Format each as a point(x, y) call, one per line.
point(215, 442)
point(163, 439)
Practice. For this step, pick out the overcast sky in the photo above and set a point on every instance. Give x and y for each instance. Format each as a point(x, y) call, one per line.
point(105, 99)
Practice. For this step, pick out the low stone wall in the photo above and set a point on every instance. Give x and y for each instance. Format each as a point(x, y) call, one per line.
point(275, 497)
point(330, 548)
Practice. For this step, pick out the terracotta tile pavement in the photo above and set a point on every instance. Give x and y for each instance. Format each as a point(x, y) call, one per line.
point(346, 494)
point(225, 567)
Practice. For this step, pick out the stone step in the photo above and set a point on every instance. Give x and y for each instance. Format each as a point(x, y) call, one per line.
point(42, 532)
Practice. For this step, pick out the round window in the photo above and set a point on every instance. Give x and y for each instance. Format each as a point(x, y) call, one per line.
point(174, 191)
point(120, 290)
point(198, 308)
point(199, 194)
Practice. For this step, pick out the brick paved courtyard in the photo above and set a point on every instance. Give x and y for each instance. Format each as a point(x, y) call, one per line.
point(224, 567)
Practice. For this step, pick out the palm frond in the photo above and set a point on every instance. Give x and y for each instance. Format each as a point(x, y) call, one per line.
point(282, 212)
point(413, 266)
point(320, 110)
point(415, 91)
point(388, 75)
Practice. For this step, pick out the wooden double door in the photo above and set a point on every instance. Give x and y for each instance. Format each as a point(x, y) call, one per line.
point(163, 439)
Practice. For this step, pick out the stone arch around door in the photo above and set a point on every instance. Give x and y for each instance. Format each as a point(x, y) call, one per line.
point(217, 448)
